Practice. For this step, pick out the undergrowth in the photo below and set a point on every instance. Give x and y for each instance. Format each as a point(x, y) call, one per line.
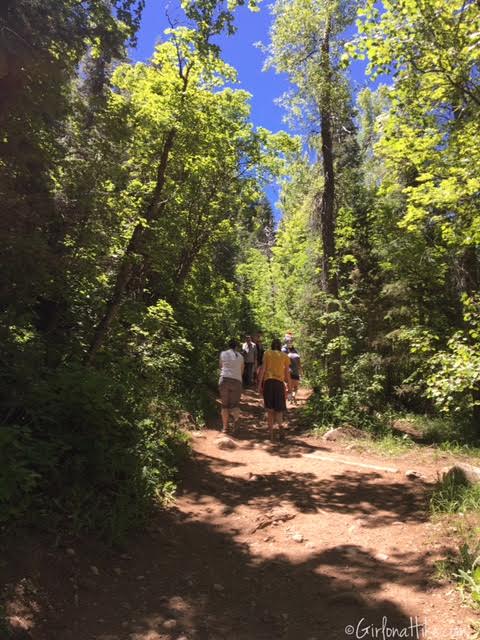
point(454, 497)
point(459, 499)
point(321, 414)
point(88, 455)
point(384, 426)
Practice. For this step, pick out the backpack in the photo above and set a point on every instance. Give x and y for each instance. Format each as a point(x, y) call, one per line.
point(294, 362)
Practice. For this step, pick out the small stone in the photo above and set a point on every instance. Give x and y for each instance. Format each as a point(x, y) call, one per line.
point(225, 443)
point(18, 628)
point(94, 570)
point(197, 434)
point(297, 537)
point(461, 473)
point(397, 523)
point(267, 539)
point(118, 571)
point(140, 577)
point(71, 552)
point(170, 624)
point(252, 478)
point(219, 587)
point(412, 475)
point(382, 556)
point(343, 432)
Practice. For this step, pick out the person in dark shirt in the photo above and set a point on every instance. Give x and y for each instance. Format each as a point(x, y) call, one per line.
point(295, 370)
point(249, 352)
point(258, 339)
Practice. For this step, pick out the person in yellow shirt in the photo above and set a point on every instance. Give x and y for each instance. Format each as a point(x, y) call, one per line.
point(275, 371)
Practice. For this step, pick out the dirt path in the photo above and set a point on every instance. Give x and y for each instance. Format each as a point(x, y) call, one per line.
point(264, 542)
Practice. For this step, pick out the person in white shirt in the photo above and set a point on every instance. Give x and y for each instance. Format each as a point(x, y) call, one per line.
point(230, 383)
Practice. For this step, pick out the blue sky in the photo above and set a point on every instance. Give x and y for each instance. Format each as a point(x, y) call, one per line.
point(239, 51)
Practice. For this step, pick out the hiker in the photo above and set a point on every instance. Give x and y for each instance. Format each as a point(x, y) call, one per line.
point(249, 351)
point(275, 371)
point(258, 339)
point(287, 341)
point(295, 371)
point(230, 384)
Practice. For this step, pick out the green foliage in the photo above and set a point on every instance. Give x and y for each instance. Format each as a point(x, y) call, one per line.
point(464, 569)
point(454, 497)
point(83, 456)
point(125, 192)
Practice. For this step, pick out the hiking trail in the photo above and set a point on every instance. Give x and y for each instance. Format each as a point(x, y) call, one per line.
point(299, 540)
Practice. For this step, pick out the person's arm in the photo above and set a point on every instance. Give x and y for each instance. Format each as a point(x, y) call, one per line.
point(288, 379)
point(261, 373)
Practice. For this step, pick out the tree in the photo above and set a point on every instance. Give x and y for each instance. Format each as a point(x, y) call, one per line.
point(429, 143)
point(306, 44)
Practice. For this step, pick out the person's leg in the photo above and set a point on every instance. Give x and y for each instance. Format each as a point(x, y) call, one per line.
point(279, 421)
point(270, 421)
point(235, 397)
point(225, 415)
point(294, 390)
point(235, 415)
point(224, 398)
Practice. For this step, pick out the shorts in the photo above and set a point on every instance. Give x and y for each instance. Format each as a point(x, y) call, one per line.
point(230, 392)
point(274, 395)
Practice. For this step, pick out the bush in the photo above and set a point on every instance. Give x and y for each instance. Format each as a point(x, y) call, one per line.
point(89, 454)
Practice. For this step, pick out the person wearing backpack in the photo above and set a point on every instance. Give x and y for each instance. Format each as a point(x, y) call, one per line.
point(295, 370)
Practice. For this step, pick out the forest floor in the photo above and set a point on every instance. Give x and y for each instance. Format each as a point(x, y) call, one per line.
point(298, 540)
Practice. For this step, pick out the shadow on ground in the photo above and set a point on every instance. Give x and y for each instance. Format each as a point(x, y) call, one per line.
point(214, 588)
point(189, 578)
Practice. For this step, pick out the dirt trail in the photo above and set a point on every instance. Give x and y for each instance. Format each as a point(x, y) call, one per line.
point(266, 541)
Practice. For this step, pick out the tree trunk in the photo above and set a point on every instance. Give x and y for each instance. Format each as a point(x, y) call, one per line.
point(134, 247)
point(325, 214)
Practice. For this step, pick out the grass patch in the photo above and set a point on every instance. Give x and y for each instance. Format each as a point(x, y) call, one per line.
point(464, 568)
point(453, 497)
point(455, 435)
point(459, 449)
point(386, 444)
point(382, 442)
